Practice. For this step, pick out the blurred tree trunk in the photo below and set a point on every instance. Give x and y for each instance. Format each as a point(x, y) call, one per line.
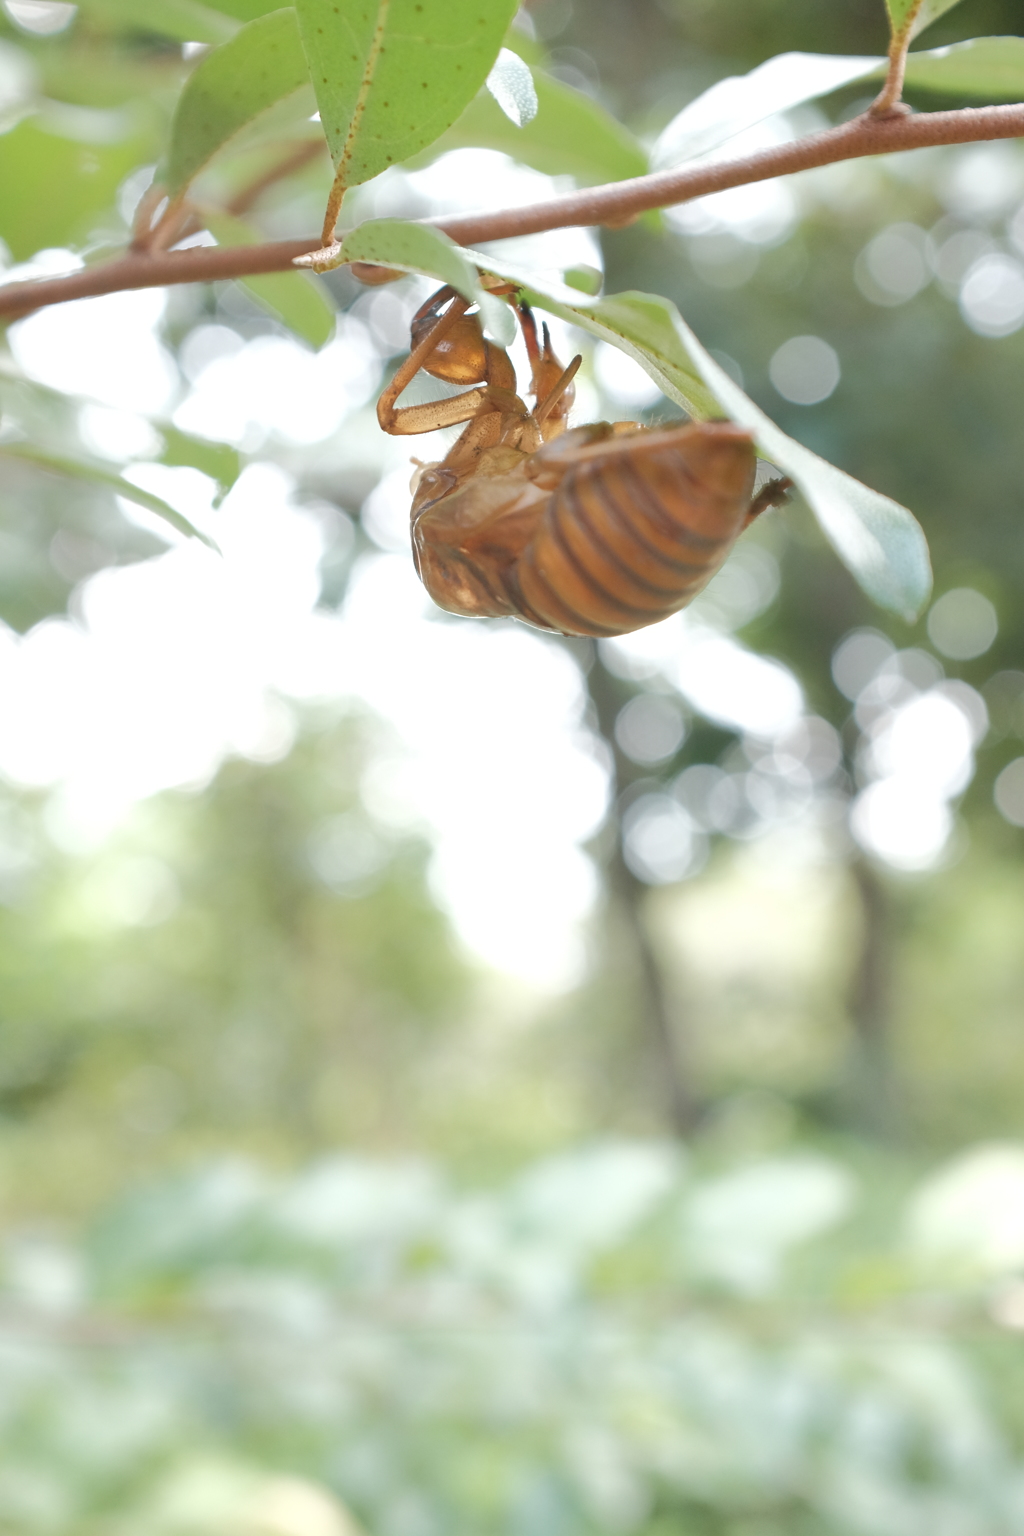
point(670, 1072)
point(871, 1089)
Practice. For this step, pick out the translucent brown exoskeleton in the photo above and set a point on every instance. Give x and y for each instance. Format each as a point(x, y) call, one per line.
point(594, 530)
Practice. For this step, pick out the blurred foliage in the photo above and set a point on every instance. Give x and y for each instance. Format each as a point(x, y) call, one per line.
point(611, 1341)
point(259, 966)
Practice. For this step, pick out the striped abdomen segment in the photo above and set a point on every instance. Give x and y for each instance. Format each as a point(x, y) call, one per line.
point(636, 528)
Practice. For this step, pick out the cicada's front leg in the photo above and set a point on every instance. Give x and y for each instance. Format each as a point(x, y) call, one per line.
point(449, 344)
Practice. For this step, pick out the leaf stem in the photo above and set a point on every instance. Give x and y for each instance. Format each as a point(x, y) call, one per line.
point(888, 102)
point(612, 204)
point(332, 211)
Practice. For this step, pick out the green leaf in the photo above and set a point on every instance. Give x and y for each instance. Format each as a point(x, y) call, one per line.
point(37, 154)
point(96, 474)
point(733, 105)
point(37, 409)
point(584, 278)
point(992, 67)
point(184, 20)
point(299, 300)
point(418, 248)
point(263, 63)
point(220, 461)
point(296, 298)
point(572, 135)
point(879, 541)
point(909, 17)
point(391, 75)
point(511, 84)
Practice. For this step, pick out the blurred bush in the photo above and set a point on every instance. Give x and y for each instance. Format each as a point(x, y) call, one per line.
point(615, 1340)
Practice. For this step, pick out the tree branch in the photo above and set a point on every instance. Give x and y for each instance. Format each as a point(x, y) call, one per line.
point(614, 204)
point(621, 201)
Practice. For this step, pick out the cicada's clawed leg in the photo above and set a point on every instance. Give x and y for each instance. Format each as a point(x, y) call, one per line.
point(551, 384)
point(528, 326)
point(775, 493)
point(438, 413)
point(553, 402)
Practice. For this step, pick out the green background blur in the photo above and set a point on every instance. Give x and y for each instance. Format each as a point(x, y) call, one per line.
point(306, 1217)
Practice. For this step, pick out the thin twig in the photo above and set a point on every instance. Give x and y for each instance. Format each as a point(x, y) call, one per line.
point(181, 218)
point(294, 161)
point(612, 204)
point(143, 224)
point(177, 223)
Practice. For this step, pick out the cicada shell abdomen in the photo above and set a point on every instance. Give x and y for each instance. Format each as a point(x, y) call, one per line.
point(467, 542)
point(636, 528)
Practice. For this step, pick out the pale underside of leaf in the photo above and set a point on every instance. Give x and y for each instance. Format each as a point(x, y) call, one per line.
point(230, 88)
point(878, 540)
point(983, 66)
point(733, 105)
point(77, 469)
point(348, 148)
point(419, 248)
point(511, 84)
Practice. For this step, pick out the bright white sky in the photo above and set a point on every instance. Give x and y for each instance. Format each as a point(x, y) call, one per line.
point(174, 663)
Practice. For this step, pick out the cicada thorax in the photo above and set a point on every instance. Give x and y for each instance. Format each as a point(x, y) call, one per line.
point(635, 528)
